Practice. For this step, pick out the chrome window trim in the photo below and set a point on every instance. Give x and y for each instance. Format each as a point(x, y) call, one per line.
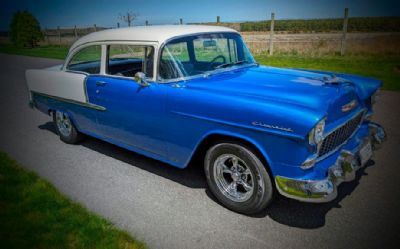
point(133, 43)
point(205, 75)
point(71, 54)
point(350, 137)
point(149, 80)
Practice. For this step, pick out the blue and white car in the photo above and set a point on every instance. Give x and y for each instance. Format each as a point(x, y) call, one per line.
point(178, 92)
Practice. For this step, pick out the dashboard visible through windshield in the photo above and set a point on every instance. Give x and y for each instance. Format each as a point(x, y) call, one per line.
point(198, 54)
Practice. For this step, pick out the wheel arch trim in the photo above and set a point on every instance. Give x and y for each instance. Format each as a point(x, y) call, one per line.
point(215, 134)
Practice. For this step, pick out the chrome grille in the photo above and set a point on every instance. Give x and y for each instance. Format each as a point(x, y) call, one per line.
point(340, 135)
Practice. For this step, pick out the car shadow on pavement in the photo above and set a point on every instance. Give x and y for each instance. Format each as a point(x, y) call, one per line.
point(282, 210)
point(310, 215)
point(191, 176)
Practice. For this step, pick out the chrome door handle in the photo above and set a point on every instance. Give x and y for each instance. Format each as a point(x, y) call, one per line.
point(101, 83)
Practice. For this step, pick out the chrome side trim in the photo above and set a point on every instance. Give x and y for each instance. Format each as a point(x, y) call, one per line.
point(88, 105)
point(244, 126)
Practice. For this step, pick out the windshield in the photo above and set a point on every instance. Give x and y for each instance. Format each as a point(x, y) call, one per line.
point(198, 54)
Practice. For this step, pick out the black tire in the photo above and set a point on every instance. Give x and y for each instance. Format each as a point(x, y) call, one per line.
point(73, 136)
point(262, 192)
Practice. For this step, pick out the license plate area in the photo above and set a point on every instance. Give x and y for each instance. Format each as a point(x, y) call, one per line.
point(365, 153)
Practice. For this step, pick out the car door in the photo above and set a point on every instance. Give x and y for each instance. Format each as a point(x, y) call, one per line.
point(134, 113)
point(82, 63)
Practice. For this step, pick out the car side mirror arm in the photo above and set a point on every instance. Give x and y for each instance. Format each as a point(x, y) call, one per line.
point(140, 78)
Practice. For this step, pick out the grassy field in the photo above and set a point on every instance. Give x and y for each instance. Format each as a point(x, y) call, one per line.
point(383, 67)
point(54, 52)
point(33, 214)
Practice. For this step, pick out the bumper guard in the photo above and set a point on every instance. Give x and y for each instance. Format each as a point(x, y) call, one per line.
point(343, 170)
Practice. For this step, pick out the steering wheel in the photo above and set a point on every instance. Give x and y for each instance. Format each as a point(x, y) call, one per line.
point(214, 61)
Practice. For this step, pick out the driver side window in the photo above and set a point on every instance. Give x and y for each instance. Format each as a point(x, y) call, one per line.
point(127, 60)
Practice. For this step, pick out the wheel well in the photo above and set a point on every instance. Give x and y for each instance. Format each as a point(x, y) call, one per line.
point(218, 138)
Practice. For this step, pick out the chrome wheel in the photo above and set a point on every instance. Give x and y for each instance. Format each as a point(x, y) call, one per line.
point(63, 123)
point(233, 178)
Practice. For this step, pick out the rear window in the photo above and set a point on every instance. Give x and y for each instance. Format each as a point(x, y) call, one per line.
point(86, 60)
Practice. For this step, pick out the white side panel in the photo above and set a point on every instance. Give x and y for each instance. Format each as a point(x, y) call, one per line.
point(55, 68)
point(61, 84)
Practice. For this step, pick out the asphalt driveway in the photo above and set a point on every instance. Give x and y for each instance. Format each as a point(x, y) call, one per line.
point(172, 208)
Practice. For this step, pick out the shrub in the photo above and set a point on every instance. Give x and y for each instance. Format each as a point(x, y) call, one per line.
point(25, 30)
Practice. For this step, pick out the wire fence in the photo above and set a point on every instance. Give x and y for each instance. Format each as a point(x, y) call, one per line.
point(260, 42)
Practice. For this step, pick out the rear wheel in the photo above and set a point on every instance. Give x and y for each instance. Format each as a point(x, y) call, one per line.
point(65, 128)
point(238, 178)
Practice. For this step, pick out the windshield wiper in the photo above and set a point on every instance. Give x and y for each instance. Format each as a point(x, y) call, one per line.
point(231, 64)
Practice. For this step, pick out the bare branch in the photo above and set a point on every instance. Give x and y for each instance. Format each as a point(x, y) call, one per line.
point(128, 17)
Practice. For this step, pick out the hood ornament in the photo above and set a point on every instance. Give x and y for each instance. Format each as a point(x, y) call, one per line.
point(349, 106)
point(332, 80)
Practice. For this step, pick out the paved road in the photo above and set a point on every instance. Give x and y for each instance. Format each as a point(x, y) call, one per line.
point(171, 208)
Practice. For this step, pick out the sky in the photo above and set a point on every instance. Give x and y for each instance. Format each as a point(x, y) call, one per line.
point(67, 13)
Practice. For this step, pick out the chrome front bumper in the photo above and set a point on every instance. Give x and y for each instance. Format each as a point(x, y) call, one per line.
point(343, 170)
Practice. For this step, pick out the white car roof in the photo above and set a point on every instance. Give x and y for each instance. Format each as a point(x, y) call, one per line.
point(157, 33)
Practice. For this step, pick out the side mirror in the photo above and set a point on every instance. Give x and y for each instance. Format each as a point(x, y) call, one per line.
point(140, 78)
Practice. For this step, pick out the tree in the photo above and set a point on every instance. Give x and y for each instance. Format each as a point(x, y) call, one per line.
point(129, 17)
point(25, 30)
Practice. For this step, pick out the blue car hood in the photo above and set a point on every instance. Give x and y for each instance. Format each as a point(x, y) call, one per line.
point(313, 91)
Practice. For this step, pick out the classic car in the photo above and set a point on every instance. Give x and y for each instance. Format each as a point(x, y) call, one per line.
point(175, 93)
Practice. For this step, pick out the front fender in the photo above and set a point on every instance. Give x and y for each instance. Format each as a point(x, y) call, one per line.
point(273, 117)
point(192, 116)
point(234, 135)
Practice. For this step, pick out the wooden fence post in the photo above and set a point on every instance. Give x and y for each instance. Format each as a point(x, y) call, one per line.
point(59, 35)
point(75, 33)
point(181, 21)
point(46, 37)
point(218, 19)
point(271, 35)
point(345, 22)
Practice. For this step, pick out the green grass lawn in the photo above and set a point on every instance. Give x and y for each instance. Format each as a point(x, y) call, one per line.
point(54, 52)
point(383, 67)
point(33, 214)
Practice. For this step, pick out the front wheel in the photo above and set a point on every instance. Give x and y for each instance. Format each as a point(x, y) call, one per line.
point(65, 128)
point(238, 178)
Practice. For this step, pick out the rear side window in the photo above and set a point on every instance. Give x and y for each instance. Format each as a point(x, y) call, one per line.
point(127, 60)
point(86, 60)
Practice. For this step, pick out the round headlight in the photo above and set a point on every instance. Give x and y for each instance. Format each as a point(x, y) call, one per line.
point(374, 97)
point(317, 133)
